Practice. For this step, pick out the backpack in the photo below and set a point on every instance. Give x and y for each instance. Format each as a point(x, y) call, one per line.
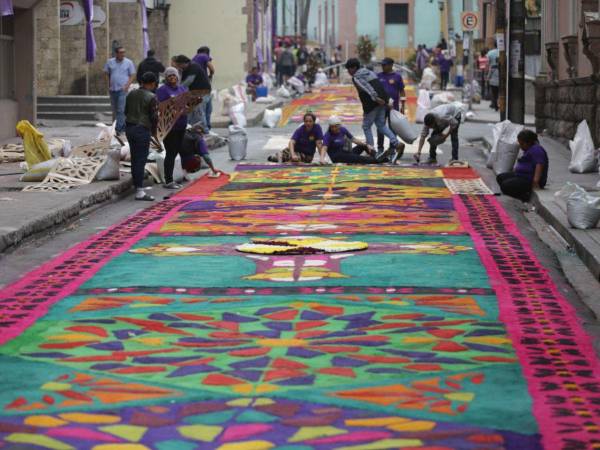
point(286, 59)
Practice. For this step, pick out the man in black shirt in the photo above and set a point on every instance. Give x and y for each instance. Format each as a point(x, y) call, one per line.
point(150, 64)
point(195, 78)
point(374, 101)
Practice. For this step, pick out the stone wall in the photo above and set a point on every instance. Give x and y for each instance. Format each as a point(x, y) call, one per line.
point(72, 60)
point(562, 105)
point(47, 45)
point(158, 29)
point(125, 25)
point(97, 82)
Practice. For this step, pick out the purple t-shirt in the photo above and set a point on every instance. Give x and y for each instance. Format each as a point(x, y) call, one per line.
point(202, 59)
point(306, 141)
point(526, 164)
point(256, 80)
point(336, 142)
point(444, 64)
point(165, 92)
point(393, 84)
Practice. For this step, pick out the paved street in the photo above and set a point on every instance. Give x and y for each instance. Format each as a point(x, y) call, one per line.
point(299, 307)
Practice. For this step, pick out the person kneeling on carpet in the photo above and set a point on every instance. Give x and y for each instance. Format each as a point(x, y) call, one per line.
point(304, 143)
point(443, 121)
point(530, 172)
point(193, 147)
point(334, 143)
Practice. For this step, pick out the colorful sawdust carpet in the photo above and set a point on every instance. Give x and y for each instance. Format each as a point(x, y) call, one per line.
point(338, 100)
point(438, 330)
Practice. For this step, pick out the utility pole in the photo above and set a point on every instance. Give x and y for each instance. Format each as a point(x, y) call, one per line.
point(283, 17)
point(468, 37)
point(295, 18)
point(516, 63)
point(500, 39)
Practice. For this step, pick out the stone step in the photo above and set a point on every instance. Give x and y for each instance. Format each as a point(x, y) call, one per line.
point(76, 116)
point(76, 107)
point(74, 99)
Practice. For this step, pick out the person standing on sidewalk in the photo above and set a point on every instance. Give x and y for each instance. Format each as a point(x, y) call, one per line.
point(493, 77)
point(120, 73)
point(374, 101)
point(394, 86)
point(194, 78)
point(150, 64)
point(445, 63)
point(173, 140)
point(204, 59)
point(141, 118)
point(442, 121)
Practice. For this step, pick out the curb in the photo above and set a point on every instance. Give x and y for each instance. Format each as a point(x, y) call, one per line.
point(66, 214)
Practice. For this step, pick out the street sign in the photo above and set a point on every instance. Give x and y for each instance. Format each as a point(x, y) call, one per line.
point(469, 20)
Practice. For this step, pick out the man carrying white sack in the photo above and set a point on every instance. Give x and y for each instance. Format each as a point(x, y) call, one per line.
point(442, 121)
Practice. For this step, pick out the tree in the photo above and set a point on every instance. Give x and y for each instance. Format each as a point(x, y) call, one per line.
point(365, 47)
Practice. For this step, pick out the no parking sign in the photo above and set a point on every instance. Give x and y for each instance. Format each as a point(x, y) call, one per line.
point(469, 20)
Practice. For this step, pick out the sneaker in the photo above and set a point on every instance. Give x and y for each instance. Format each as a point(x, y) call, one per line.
point(432, 161)
point(380, 157)
point(172, 185)
point(398, 153)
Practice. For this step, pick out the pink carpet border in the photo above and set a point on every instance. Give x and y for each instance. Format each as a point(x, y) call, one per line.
point(549, 423)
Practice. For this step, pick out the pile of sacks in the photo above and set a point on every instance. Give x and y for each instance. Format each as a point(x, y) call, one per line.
point(426, 102)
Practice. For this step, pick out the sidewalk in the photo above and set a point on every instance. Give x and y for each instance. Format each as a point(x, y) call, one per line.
point(586, 243)
point(485, 114)
point(24, 215)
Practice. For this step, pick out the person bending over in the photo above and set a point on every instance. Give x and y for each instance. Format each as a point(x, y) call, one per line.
point(193, 147)
point(531, 171)
point(442, 121)
point(334, 143)
point(305, 141)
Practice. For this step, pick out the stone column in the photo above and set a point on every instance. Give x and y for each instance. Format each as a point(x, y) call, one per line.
point(47, 47)
point(96, 81)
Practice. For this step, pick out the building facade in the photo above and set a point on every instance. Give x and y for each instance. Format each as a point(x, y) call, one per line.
point(42, 50)
point(568, 88)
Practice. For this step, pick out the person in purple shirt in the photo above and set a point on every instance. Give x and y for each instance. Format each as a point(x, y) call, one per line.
point(173, 140)
point(334, 143)
point(194, 148)
point(253, 80)
point(445, 63)
point(394, 86)
point(530, 172)
point(304, 143)
point(204, 60)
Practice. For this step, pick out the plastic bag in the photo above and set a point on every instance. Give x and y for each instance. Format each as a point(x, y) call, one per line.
point(110, 170)
point(505, 131)
point(283, 92)
point(36, 149)
point(267, 80)
point(296, 84)
point(107, 133)
point(240, 93)
point(237, 115)
point(160, 162)
point(427, 79)
point(271, 117)
point(39, 171)
point(583, 158)
point(321, 79)
point(442, 99)
point(238, 143)
point(583, 209)
point(401, 126)
point(506, 156)
point(267, 99)
point(423, 105)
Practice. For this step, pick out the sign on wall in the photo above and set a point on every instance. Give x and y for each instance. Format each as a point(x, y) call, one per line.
point(469, 20)
point(71, 13)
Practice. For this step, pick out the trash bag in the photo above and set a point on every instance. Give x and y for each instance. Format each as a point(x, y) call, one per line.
point(283, 92)
point(36, 149)
point(401, 126)
point(443, 98)
point(110, 170)
point(583, 158)
point(238, 143)
point(271, 117)
point(423, 105)
point(505, 131)
point(583, 209)
point(39, 171)
point(506, 157)
point(237, 115)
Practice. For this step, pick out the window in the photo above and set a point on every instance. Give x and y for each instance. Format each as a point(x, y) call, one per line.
point(396, 13)
point(7, 58)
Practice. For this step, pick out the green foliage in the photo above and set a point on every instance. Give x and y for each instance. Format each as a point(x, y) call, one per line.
point(366, 47)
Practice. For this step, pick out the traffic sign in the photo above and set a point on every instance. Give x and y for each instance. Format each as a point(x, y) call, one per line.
point(469, 20)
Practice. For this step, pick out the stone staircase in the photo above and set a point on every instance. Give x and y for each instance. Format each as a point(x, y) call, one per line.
point(74, 108)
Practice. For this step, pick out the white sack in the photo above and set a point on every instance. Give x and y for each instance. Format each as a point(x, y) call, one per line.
point(267, 81)
point(402, 127)
point(271, 117)
point(110, 170)
point(237, 115)
point(506, 156)
point(583, 158)
point(423, 105)
point(39, 171)
point(321, 79)
point(427, 78)
point(283, 92)
point(505, 131)
point(443, 98)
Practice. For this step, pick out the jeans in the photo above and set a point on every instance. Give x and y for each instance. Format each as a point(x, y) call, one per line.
point(379, 134)
point(445, 76)
point(138, 137)
point(117, 101)
point(514, 185)
point(436, 140)
point(494, 92)
point(208, 108)
point(202, 112)
point(377, 117)
point(352, 157)
point(172, 142)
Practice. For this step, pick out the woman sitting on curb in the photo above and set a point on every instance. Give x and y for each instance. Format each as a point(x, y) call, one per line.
point(530, 172)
